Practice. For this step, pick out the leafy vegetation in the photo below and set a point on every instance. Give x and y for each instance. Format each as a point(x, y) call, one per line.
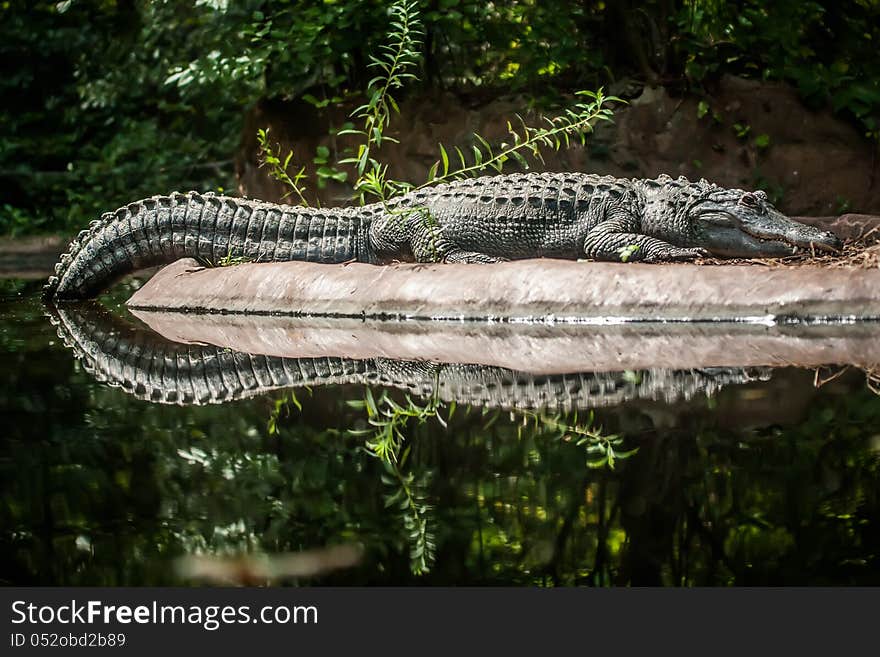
point(396, 63)
point(397, 60)
point(279, 170)
point(575, 122)
point(824, 48)
point(105, 101)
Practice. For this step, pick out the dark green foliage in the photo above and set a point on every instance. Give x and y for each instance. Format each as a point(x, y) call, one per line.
point(828, 50)
point(105, 101)
point(89, 122)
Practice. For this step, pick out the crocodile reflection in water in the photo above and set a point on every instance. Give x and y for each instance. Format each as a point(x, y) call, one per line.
point(150, 367)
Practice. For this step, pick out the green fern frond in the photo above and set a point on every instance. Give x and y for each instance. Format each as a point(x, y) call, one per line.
point(270, 156)
point(558, 131)
point(396, 62)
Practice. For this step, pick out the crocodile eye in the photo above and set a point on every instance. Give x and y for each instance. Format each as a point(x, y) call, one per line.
point(750, 200)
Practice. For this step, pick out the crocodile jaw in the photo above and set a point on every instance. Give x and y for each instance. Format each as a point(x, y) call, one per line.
point(771, 234)
point(727, 242)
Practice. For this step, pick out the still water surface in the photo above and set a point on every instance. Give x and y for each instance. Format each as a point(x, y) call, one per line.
point(720, 475)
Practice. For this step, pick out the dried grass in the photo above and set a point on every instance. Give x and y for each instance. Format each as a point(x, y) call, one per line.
point(829, 373)
point(872, 375)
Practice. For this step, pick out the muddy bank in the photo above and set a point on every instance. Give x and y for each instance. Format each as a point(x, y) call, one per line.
point(30, 257)
point(748, 134)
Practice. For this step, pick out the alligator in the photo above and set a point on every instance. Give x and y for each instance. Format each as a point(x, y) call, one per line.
point(153, 368)
point(480, 220)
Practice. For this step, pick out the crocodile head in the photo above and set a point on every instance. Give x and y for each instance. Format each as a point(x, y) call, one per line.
point(733, 223)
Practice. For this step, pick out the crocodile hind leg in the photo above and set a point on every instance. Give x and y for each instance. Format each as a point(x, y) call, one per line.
point(440, 250)
point(430, 246)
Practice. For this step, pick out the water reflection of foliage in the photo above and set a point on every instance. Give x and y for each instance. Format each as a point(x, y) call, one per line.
point(408, 489)
point(763, 534)
point(386, 438)
point(101, 488)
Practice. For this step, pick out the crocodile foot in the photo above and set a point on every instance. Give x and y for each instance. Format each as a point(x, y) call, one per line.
point(675, 254)
point(471, 257)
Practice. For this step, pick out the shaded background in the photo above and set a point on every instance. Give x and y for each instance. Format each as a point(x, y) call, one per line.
point(105, 101)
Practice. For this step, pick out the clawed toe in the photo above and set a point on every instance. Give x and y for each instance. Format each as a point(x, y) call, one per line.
point(688, 254)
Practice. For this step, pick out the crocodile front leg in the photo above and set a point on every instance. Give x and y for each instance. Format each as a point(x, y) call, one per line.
point(617, 238)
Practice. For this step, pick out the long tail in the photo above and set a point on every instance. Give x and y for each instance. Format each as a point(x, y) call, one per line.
point(150, 367)
point(162, 229)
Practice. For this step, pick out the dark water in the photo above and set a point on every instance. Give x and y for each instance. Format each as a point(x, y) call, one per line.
point(765, 480)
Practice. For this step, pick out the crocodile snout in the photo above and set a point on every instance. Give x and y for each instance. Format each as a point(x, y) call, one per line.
point(828, 241)
point(833, 240)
